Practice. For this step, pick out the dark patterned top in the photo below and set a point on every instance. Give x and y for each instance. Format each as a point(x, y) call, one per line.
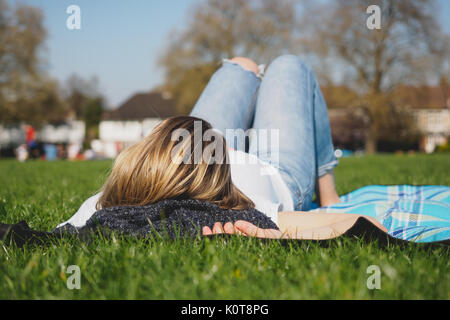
point(176, 218)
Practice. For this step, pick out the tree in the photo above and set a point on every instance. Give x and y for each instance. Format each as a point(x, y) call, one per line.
point(85, 102)
point(374, 61)
point(339, 96)
point(34, 103)
point(26, 93)
point(22, 34)
point(441, 66)
point(92, 116)
point(217, 29)
point(78, 92)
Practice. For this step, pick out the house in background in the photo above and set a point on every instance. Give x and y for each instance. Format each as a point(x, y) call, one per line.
point(433, 118)
point(348, 128)
point(434, 125)
point(70, 132)
point(430, 107)
point(132, 121)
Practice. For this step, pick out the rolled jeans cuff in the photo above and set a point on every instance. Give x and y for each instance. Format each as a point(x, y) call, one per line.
point(323, 170)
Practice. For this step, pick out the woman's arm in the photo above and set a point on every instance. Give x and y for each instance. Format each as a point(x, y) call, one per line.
point(318, 225)
point(297, 225)
point(87, 209)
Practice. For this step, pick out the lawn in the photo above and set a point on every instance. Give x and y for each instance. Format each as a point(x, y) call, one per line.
point(46, 194)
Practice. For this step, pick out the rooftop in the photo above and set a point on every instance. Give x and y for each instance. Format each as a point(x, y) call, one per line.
point(144, 105)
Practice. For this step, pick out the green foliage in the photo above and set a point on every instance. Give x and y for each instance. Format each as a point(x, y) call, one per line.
point(443, 148)
point(93, 112)
point(45, 194)
point(188, 84)
point(26, 93)
point(37, 102)
point(86, 103)
point(374, 62)
point(92, 115)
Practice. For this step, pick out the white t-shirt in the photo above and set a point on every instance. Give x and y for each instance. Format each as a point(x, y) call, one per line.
point(258, 180)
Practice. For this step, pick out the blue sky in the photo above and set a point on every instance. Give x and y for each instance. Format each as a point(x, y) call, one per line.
point(119, 41)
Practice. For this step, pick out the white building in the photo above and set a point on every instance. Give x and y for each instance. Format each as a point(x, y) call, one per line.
point(69, 132)
point(434, 124)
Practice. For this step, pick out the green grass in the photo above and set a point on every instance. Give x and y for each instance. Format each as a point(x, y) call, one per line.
point(45, 194)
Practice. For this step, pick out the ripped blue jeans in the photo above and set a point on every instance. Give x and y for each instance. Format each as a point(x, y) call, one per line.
point(287, 99)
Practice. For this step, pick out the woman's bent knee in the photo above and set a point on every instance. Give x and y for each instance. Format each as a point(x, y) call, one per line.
point(246, 63)
point(289, 61)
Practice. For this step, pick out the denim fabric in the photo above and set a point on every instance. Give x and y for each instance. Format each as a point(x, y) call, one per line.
point(287, 101)
point(228, 101)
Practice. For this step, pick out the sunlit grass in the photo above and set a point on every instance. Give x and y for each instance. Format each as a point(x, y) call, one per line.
point(46, 194)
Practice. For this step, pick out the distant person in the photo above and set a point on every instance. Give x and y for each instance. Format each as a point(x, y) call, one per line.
point(50, 151)
point(89, 154)
point(32, 145)
point(73, 151)
point(61, 151)
point(22, 153)
point(30, 135)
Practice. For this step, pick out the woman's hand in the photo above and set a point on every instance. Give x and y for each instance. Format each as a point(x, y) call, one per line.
point(242, 228)
point(296, 225)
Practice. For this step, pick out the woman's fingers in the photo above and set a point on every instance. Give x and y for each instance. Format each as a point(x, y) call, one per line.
point(229, 228)
point(253, 231)
point(273, 234)
point(248, 228)
point(217, 228)
point(243, 228)
point(207, 231)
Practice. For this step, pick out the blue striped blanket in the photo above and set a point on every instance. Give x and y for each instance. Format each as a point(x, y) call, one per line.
point(413, 213)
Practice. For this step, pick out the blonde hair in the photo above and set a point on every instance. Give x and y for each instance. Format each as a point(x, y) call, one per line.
point(146, 172)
